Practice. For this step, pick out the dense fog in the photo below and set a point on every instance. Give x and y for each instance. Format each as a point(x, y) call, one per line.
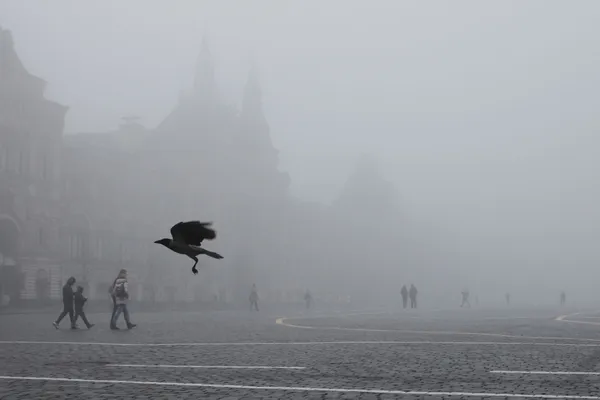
point(346, 147)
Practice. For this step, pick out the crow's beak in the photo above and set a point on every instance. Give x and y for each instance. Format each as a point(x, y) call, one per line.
point(157, 241)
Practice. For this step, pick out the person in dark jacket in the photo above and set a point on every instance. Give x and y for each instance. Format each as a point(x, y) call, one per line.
point(412, 292)
point(465, 299)
point(67, 294)
point(254, 298)
point(79, 300)
point(308, 298)
point(404, 294)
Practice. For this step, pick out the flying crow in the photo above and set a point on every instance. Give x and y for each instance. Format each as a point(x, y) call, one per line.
point(187, 238)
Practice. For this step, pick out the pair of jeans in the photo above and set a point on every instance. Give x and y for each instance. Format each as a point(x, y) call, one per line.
point(120, 308)
point(114, 311)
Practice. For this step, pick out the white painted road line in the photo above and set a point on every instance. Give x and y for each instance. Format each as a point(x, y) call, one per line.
point(545, 372)
point(199, 366)
point(281, 321)
point(300, 389)
point(570, 321)
point(327, 343)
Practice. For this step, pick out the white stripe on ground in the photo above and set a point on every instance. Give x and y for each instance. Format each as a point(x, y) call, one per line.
point(570, 321)
point(339, 343)
point(300, 389)
point(199, 366)
point(563, 318)
point(281, 321)
point(545, 372)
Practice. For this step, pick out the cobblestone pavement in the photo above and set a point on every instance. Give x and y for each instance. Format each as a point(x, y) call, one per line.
point(422, 354)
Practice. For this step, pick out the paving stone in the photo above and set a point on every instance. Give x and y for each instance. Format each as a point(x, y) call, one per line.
point(461, 364)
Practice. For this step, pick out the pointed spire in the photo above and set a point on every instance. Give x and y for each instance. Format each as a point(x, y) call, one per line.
point(204, 81)
point(252, 101)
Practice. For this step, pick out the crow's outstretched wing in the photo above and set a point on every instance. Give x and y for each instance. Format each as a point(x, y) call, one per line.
point(192, 232)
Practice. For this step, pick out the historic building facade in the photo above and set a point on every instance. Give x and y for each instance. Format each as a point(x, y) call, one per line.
point(86, 205)
point(31, 128)
point(103, 236)
point(205, 161)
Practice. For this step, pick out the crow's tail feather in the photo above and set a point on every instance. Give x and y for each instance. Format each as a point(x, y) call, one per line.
point(212, 254)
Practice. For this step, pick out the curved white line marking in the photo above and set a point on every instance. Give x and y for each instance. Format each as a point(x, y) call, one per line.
point(300, 389)
point(545, 372)
point(563, 318)
point(281, 321)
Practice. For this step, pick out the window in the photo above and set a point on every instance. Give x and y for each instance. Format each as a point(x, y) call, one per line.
point(76, 247)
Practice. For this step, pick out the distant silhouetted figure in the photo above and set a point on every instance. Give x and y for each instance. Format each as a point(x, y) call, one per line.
point(187, 238)
point(507, 296)
point(465, 299)
point(79, 300)
point(413, 296)
point(563, 298)
point(254, 298)
point(404, 293)
point(308, 298)
point(67, 295)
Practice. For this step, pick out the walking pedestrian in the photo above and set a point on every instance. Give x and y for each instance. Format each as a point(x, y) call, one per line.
point(80, 300)
point(254, 298)
point(413, 296)
point(465, 299)
point(121, 293)
point(404, 294)
point(67, 294)
point(308, 298)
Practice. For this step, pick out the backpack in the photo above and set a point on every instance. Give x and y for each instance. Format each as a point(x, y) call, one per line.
point(120, 290)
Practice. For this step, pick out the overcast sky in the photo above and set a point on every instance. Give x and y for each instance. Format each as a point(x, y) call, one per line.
point(484, 114)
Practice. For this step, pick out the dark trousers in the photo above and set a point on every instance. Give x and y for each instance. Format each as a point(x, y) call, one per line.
point(253, 305)
point(66, 310)
point(404, 301)
point(80, 313)
point(413, 302)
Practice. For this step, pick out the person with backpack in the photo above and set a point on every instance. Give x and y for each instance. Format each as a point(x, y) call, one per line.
point(121, 294)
